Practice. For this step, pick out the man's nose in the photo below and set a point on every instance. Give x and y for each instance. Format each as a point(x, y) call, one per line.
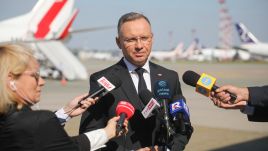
point(139, 43)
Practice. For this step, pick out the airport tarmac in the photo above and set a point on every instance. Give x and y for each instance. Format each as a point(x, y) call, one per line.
point(215, 129)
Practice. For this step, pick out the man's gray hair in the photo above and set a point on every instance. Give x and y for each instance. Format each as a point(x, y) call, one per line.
point(130, 17)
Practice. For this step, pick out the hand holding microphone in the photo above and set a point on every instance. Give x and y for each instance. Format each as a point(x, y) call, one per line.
point(241, 93)
point(110, 129)
point(222, 99)
point(85, 104)
point(204, 84)
point(105, 87)
point(125, 110)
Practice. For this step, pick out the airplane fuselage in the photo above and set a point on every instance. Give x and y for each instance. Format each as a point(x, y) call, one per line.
point(260, 49)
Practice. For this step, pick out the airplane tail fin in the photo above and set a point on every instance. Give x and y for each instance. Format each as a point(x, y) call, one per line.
point(190, 50)
point(245, 35)
point(51, 19)
point(179, 48)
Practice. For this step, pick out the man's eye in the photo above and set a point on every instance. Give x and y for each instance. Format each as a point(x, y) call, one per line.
point(131, 40)
point(144, 38)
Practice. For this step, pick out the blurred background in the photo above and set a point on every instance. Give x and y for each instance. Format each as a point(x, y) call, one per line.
point(224, 38)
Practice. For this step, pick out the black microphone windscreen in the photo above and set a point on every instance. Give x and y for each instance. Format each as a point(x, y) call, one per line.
point(145, 96)
point(190, 77)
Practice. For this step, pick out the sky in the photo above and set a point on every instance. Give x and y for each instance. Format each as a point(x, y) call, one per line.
point(173, 21)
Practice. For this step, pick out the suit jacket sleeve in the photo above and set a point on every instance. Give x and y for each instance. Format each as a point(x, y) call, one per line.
point(52, 136)
point(258, 98)
point(82, 142)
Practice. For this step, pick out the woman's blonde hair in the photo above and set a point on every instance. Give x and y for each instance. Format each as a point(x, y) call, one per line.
point(14, 59)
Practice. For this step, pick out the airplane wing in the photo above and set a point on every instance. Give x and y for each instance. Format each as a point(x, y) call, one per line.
point(91, 29)
point(63, 59)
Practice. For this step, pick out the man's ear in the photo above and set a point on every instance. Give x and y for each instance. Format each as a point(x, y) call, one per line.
point(152, 37)
point(118, 42)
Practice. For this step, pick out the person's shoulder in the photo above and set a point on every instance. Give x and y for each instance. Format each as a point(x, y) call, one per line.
point(103, 72)
point(107, 71)
point(162, 68)
point(33, 113)
point(43, 114)
point(32, 118)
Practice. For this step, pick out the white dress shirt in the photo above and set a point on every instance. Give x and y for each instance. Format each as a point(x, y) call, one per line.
point(135, 78)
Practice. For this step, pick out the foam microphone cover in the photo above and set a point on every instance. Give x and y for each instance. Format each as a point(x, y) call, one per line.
point(190, 77)
point(126, 108)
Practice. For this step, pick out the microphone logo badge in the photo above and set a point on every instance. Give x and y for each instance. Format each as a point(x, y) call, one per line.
point(206, 81)
point(147, 111)
point(175, 106)
point(205, 84)
point(162, 90)
point(162, 84)
point(106, 84)
point(179, 106)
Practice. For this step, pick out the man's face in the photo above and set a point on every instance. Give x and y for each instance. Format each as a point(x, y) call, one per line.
point(135, 39)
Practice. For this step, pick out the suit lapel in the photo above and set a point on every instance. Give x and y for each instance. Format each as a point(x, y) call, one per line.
point(155, 75)
point(127, 86)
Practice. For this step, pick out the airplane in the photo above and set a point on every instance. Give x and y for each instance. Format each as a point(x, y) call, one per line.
point(44, 28)
point(208, 54)
point(99, 55)
point(250, 43)
point(167, 55)
point(191, 50)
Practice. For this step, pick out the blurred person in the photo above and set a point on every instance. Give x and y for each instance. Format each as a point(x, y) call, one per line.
point(22, 128)
point(252, 101)
point(135, 39)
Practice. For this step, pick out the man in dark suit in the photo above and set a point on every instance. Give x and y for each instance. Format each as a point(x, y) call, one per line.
point(135, 39)
point(252, 101)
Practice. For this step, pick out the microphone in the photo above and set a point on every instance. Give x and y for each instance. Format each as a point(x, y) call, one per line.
point(147, 98)
point(105, 87)
point(125, 110)
point(162, 92)
point(204, 84)
point(180, 113)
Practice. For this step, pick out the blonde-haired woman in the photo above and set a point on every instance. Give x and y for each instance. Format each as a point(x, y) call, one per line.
point(24, 129)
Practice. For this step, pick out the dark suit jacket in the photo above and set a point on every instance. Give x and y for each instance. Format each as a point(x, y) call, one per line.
point(142, 132)
point(258, 98)
point(27, 130)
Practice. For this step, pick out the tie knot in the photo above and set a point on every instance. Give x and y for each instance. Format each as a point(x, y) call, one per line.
point(140, 71)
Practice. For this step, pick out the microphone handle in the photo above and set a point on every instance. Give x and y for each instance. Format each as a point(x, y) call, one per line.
point(166, 119)
point(120, 123)
point(93, 95)
point(182, 125)
point(233, 96)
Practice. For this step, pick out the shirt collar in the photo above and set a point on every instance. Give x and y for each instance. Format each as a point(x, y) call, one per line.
point(131, 68)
